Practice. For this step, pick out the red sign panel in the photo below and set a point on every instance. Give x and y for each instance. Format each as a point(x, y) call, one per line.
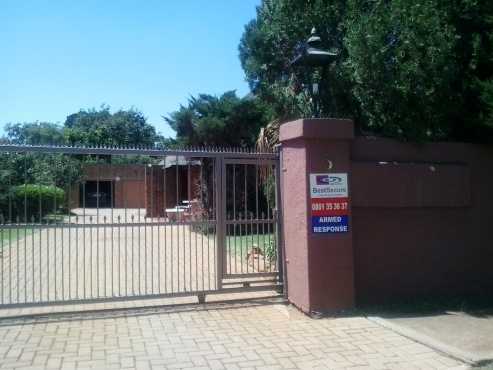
point(329, 206)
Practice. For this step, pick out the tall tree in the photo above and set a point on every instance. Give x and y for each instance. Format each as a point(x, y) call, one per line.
point(401, 65)
point(101, 127)
point(268, 45)
point(36, 168)
point(413, 69)
point(473, 22)
point(88, 127)
point(35, 133)
point(225, 121)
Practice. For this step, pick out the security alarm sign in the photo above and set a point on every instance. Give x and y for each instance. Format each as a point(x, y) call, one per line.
point(329, 202)
point(328, 185)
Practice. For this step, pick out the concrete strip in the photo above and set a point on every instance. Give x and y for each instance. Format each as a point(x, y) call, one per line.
point(451, 351)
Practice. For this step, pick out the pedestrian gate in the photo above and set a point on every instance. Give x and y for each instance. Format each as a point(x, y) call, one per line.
point(103, 224)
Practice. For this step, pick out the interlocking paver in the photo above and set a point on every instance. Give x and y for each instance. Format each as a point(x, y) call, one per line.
point(241, 336)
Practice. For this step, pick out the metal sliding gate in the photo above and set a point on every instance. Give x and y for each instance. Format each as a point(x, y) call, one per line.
point(104, 224)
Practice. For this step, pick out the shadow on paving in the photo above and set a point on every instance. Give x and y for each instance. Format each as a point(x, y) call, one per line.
point(476, 306)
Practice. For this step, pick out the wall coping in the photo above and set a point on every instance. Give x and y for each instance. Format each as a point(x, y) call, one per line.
point(317, 128)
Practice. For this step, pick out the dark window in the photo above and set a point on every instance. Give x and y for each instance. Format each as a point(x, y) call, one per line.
point(96, 194)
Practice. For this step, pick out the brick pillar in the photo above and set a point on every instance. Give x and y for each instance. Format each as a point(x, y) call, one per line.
point(320, 266)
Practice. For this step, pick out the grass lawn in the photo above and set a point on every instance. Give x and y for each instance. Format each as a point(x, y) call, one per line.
point(10, 236)
point(58, 217)
point(21, 232)
point(241, 244)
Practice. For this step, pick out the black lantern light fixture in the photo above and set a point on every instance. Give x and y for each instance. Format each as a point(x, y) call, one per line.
point(310, 55)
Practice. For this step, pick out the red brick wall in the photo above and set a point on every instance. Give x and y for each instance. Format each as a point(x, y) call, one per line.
point(130, 194)
point(110, 171)
point(421, 220)
point(129, 190)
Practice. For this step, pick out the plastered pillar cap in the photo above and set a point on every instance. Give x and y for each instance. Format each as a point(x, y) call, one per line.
point(317, 128)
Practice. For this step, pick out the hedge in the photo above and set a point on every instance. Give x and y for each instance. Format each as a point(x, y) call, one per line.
point(31, 200)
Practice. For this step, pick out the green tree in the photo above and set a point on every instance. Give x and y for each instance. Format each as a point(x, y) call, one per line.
point(224, 121)
point(35, 133)
point(38, 168)
point(487, 99)
point(87, 127)
point(103, 128)
point(268, 45)
point(90, 127)
point(413, 69)
point(401, 67)
point(473, 53)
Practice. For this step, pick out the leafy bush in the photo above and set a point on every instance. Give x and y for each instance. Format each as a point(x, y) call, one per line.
point(270, 248)
point(34, 201)
point(269, 189)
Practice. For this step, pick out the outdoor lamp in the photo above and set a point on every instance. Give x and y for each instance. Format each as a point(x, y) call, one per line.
point(310, 55)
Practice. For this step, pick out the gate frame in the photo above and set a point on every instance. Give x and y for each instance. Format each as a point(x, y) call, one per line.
point(222, 156)
point(277, 215)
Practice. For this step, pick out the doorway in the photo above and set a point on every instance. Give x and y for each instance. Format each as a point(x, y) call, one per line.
point(96, 194)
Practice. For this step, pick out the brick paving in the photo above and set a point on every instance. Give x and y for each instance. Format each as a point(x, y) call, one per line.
point(96, 261)
point(260, 335)
point(90, 260)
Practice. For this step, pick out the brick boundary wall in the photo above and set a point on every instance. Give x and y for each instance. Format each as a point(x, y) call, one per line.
point(422, 220)
point(419, 218)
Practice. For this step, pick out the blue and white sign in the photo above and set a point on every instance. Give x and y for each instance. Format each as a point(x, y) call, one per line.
point(329, 202)
point(328, 185)
point(330, 224)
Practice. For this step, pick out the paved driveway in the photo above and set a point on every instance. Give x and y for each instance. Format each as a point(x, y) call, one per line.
point(109, 253)
point(253, 336)
point(96, 261)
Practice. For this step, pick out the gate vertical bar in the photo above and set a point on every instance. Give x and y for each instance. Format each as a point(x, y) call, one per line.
point(279, 225)
point(220, 180)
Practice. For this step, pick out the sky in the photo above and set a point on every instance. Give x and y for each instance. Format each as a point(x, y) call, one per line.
point(57, 57)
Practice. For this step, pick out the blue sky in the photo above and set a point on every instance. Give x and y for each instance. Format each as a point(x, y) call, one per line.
point(60, 56)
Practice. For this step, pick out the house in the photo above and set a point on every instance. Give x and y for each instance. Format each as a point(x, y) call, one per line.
point(110, 185)
point(139, 185)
